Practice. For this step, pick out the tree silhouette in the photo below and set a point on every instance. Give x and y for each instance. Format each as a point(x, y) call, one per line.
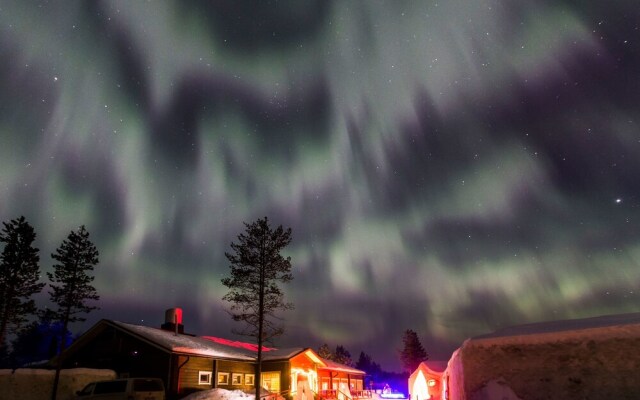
point(19, 275)
point(256, 269)
point(342, 356)
point(366, 364)
point(71, 284)
point(324, 351)
point(38, 341)
point(413, 353)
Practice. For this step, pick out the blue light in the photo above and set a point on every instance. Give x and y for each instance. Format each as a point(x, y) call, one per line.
point(392, 396)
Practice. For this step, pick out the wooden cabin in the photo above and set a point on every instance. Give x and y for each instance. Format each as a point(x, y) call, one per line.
point(188, 363)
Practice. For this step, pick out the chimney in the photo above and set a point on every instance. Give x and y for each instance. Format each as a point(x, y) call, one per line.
point(173, 320)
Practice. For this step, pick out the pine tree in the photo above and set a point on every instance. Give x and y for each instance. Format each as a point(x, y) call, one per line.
point(342, 356)
point(71, 282)
point(256, 269)
point(325, 352)
point(413, 353)
point(71, 285)
point(19, 275)
point(37, 342)
point(366, 364)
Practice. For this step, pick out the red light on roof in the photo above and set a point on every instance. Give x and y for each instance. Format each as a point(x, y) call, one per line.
point(237, 344)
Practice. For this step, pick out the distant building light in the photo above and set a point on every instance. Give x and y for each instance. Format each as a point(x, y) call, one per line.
point(392, 396)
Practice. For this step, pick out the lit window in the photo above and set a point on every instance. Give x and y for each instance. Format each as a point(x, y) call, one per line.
point(236, 379)
point(204, 378)
point(223, 378)
point(271, 381)
point(249, 379)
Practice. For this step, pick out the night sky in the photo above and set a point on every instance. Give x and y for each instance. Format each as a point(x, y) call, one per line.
point(450, 167)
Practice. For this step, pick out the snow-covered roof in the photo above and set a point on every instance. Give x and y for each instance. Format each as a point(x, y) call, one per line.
point(565, 326)
point(282, 354)
point(186, 344)
point(434, 366)
point(334, 366)
point(236, 343)
point(208, 346)
point(428, 368)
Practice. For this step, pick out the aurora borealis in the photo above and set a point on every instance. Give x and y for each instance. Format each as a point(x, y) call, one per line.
point(451, 167)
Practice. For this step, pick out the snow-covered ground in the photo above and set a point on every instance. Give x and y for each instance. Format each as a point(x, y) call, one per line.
point(220, 394)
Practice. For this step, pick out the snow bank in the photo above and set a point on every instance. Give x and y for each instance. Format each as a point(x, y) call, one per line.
point(223, 394)
point(36, 384)
point(220, 394)
point(495, 390)
point(593, 363)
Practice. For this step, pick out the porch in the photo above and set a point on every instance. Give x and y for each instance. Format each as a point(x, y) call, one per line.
point(337, 394)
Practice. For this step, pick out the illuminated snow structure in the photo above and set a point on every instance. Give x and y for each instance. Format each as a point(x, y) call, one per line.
point(594, 358)
point(425, 381)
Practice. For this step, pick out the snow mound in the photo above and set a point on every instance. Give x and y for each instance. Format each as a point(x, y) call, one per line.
point(594, 362)
point(495, 390)
point(220, 394)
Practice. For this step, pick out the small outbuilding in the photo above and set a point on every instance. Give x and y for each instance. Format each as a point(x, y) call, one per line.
point(426, 381)
point(594, 358)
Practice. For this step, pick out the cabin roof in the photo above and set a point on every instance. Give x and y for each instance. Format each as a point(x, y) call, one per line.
point(334, 366)
point(186, 344)
point(282, 354)
point(205, 346)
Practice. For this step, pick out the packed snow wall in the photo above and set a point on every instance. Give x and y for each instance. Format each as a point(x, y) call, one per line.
point(36, 384)
point(596, 363)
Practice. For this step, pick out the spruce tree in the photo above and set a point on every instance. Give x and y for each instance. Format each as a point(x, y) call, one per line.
point(372, 368)
point(71, 286)
point(364, 362)
point(413, 353)
point(256, 269)
point(343, 356)
point(19, 275)
point(325, 352)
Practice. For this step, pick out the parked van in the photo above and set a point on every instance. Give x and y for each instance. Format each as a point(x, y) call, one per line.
point(124, 389)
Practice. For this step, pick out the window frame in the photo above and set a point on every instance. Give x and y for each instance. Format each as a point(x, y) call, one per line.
point(236, 379)
point(223, 378)
point(208, 374)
